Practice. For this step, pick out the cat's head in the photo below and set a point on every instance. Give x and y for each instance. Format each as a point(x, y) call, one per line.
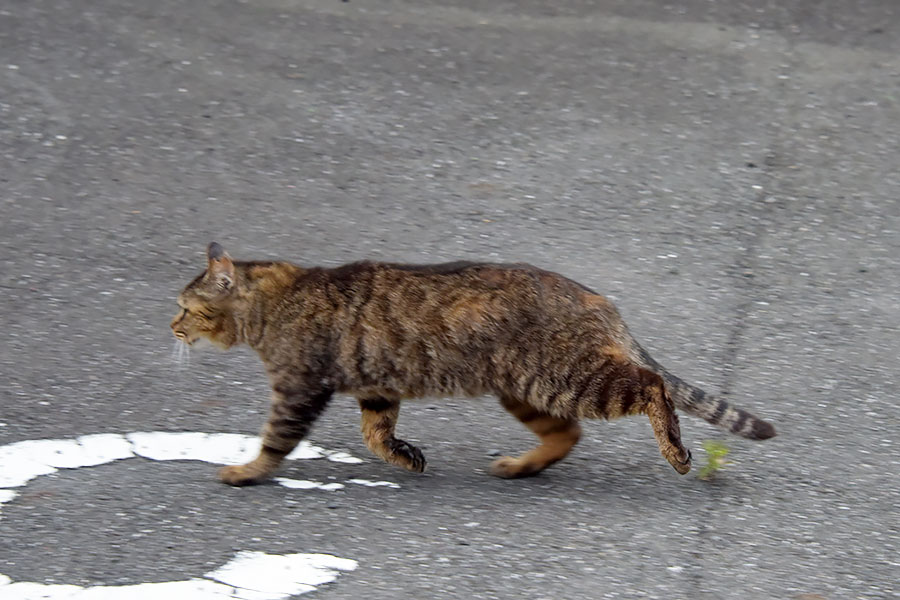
point(207, 303)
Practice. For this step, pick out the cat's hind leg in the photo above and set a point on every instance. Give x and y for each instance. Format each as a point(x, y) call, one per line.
point(379, 418)
point(557, 436)
point(290, 418)
point(661, 411)
point(623, 389)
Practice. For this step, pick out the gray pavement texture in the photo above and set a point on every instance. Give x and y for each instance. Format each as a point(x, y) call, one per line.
point(727, 172)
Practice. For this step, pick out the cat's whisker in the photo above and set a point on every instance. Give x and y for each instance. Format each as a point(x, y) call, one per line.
point(180, 354)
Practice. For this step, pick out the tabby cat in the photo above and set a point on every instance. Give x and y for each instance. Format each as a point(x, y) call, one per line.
point(550, 349)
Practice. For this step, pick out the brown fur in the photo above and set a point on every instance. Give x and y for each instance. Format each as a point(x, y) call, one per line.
point(553, 352)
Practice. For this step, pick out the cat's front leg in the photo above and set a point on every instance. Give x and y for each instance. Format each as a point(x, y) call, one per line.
point(254, 471)
point(291, 416)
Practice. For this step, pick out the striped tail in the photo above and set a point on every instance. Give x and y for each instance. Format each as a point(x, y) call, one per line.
point(695, 401)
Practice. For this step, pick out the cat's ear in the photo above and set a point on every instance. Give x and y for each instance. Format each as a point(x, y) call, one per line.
point(220, 269)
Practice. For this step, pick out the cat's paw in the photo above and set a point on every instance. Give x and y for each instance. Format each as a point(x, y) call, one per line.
point(507, 467)
point(681, 462)
point(407, 456)
point(240, 475)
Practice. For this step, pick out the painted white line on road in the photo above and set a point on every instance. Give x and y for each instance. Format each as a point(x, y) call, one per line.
point(368, 483)
point(248, 576)
point(21, 462)
point(281, 576)
point(343, 457)
point(303, 484)
point(218, 448)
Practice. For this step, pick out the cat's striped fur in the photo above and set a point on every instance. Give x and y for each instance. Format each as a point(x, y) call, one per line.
point(551, 350)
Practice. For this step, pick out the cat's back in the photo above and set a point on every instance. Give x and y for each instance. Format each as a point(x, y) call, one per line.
point(462, 287)
point(520, 279)
point(409, 290)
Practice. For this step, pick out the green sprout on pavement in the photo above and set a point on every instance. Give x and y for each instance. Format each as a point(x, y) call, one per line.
point(715, 459)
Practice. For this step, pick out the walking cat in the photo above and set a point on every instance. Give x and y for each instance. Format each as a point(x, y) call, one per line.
point(550, 349)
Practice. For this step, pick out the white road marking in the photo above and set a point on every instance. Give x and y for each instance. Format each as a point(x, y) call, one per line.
point(303, 484)
point(248, 576)
point(281, 576)
point(343, 457)
point(368, 483)
point(21, 462)
point(218, 448)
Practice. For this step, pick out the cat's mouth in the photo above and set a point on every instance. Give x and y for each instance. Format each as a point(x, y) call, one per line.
point(183, 338)
point(201, 343)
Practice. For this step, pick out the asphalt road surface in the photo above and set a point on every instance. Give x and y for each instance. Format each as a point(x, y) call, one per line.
point(727, 172)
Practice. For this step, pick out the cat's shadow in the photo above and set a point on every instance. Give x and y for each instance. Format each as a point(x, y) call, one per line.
point(579, 481)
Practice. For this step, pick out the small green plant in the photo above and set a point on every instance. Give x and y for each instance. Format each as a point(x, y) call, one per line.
point(715, 459)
